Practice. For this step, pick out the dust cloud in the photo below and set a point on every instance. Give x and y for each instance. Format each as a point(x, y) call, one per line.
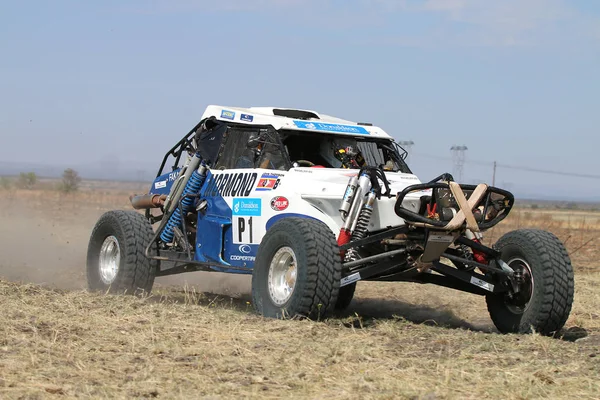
point(45, 242)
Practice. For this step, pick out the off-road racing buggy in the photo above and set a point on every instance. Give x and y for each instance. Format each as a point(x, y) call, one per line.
point(311, 204)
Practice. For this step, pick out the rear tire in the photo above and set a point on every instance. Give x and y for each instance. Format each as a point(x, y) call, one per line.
point(116, 260)
point(549, 291)
point(297, 271)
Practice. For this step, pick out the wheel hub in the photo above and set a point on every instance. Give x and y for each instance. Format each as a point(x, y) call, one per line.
point(110, 258)
point(282, 278)
point(519, 302)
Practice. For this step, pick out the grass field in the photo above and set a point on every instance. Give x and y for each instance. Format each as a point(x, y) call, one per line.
point(395, 341)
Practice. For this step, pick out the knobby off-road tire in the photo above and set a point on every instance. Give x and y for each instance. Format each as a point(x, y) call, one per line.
point(318, 268)
point(552, 294)
point(345, 296)
point(124, 236)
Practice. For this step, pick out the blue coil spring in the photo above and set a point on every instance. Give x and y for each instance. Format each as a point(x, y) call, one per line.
point(192, 187)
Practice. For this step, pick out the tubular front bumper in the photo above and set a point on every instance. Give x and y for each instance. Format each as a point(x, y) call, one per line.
point(477, 207)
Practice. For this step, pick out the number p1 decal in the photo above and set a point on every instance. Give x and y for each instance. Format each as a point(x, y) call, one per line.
point(246, 216)
point(245, 230)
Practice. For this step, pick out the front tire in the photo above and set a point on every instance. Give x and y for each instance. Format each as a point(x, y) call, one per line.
point(544, 302)
point(116, 260)
point(345, 296)
point(297, 271)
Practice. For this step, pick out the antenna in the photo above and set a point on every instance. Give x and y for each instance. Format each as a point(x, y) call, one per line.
point(406, 145)
point(458, 157)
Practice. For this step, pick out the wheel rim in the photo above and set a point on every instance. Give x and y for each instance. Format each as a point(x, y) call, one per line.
point(110, 258)
point(282, 275)
point(519, 303)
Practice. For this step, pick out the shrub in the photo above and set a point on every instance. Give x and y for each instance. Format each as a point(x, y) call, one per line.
point(5, 183)
point(27, 180)
point(70, 181)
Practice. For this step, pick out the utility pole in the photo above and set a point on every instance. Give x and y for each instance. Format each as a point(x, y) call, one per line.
point(458, 156)
point(406, 145)
point(494, 175)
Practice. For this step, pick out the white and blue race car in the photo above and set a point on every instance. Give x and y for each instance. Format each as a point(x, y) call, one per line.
point(311, 204)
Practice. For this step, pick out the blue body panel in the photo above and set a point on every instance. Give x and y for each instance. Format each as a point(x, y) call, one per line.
point(214, 240)
point(162, 184)
point(214, 237)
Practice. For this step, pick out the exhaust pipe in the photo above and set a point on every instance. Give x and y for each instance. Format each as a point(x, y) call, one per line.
point(146, 201)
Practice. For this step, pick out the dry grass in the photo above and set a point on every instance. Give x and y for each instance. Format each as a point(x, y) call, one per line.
point(578, 230)
point(395, 341)
point(186, 345)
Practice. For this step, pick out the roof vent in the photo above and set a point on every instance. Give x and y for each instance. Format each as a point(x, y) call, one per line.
point(297, 114)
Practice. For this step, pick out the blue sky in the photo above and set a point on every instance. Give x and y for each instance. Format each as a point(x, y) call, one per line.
point(113, 84)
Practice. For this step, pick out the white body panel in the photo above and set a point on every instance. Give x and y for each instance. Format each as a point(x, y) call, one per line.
point(310, 192)
point(264, 116)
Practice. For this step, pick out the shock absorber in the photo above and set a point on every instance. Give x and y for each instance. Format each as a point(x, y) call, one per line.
point(362, 222)
point(363, 186)
point(192, 187)
point(348, 198)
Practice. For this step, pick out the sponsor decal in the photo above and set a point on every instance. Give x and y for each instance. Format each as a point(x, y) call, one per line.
point(246, 117)
point(338, 128)
point(441, 238)
point(227, 114)
point(242, 258)
point(482, 284)
point(247, 207)
point(245, 248)
point(235, 185)
point(279, 203)
point(160, 185)
point(267, 182)
point(350, 279)
point(349, 192)
point(174, 175)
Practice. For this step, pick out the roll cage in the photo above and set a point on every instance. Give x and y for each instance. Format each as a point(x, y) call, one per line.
point(230, 145)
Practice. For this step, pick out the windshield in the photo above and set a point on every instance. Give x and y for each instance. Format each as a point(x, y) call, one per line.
point(337, 151)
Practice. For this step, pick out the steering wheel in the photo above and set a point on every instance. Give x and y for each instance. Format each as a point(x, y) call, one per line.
point(304, 163)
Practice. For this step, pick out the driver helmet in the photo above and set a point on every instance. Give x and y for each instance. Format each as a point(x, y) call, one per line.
point(342, 153)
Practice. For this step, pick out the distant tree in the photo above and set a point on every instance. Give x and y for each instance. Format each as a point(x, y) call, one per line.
point(27, 180)
point(5, 183)
point(70, 181)
point(572, 206)
point(534, 206)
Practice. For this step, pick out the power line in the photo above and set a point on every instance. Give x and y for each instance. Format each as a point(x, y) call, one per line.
point(515, 167)
point(552, 172)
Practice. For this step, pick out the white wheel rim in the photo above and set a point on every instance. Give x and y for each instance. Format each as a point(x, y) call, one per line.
point(110, 258)
point(283, 273)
